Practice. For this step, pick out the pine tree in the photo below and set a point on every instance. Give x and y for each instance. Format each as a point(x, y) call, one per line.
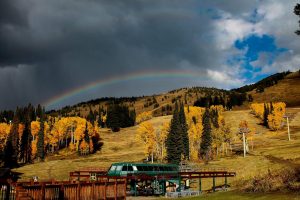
point(266, 114)
point(112, 120)
point(206, 142)
point(174, 141)
point(184, 132)
point(86, 134)
point(25, 145)
point(39, 111)
point(12, 145)
point(40, 142)
point(91, 116)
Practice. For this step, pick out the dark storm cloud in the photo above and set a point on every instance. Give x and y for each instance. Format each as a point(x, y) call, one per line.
point(48, 47)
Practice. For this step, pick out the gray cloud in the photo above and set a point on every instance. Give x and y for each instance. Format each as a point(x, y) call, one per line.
point(49, 47)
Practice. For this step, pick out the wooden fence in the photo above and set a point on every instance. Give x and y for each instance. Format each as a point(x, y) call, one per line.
point(108, 189)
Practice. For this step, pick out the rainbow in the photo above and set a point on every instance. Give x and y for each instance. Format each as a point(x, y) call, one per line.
point(121, 78)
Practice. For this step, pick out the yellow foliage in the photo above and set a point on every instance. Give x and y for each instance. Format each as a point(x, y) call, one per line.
point(4, 131)
point(72, 147)
point(143, 117)
point(84, 145)
point(46, 133)
point(33, 148)
point(275, 117)
point(91, 146)
point(162, 136)
point(69, 127)
point(35, 128)
point(258, 109)
point(21, 130)
point(193, 116)
point(146, 134)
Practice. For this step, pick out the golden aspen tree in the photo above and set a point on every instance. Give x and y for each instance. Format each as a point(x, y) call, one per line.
point(143, 116)
point(194, 121)
point(275, 119)
point(257, 109)
point(79, 132)
point(4, 131)
point(34, 127)
point(162, 136)
point(21, 130)
point(275, 115)
point(146, 134)
point(46, 133)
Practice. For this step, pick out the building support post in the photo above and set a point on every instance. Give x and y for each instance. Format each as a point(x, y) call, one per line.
point(225, 182)
point(200, 185)
point(214, 183)
point(288, 125)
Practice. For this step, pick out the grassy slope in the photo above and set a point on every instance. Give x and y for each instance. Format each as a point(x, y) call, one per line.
point(287, 90)
point(232, 195)
point(117, 147)
point(271, 151)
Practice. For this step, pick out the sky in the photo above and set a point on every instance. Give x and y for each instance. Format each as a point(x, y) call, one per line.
point(58, 53)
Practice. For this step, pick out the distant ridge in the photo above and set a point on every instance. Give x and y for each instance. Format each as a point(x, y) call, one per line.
point(264, 83)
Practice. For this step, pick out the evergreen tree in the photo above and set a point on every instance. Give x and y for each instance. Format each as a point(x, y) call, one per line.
point(174, 141)
point(214, 116)
point(86, 134)
point(12, 145)
point(184, 132)
point(91, 116)
point(132, 117)
point(39, 111)
point(266, 114)
point(112, 120)
point(40, 142)
point(206, 142)
point(26, 138)
point(119, 116)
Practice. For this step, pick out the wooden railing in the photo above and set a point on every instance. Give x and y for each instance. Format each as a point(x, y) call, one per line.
point(108, 189)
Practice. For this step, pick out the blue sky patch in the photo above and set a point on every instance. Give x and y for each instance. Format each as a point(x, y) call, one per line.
point(254, 45)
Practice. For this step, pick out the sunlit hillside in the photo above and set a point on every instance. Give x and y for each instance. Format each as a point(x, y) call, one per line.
point(286, 90)
point(271, 152)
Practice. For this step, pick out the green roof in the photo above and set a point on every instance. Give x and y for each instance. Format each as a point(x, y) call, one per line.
point(145, 164)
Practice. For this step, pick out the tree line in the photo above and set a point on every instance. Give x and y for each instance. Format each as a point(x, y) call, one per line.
point(271, 114)
point(194, 133)
point(31, 135)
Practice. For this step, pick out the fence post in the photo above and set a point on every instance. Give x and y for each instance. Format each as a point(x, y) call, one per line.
point(78, 191)
point(105, 190)
point(93, 190)
point(62, 192)
point(116, 192)
point(125, 188)
point(43, 191)
point(225, 181)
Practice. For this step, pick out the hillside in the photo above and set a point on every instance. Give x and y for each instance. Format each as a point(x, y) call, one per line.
point(283, 86)
point(117, 147)
point(271, 152)
point(159, 104)
point(286, 90)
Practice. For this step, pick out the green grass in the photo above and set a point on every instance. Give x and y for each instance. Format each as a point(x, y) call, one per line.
point(233, 195)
